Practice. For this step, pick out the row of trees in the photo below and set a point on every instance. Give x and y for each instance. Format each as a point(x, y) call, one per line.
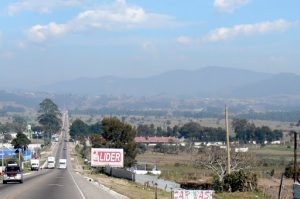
point(195, 132)
point(246, 131)
point(151, 130)
point(80, 128)
point(192, 130)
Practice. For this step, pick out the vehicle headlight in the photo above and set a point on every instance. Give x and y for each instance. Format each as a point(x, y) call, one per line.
point(5, 176)
point(19, 176)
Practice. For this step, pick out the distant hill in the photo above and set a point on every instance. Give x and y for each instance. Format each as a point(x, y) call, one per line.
point(205, 82)
point(276, 85)
point(173, 90)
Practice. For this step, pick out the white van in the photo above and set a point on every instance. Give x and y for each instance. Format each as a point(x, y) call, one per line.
point(62, 164)
point(35, 164)
point(51, 162)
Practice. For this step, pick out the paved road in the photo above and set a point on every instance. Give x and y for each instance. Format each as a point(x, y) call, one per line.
point(54, 183)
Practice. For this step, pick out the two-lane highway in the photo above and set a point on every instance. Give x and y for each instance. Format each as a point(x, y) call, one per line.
point(55, 183)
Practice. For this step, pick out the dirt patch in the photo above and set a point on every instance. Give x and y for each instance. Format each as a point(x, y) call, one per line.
point(270, 187)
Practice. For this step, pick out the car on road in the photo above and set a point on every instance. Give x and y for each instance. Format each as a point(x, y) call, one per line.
point(12, 173)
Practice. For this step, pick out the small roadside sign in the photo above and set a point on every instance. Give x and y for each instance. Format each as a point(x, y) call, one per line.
point(192, 194)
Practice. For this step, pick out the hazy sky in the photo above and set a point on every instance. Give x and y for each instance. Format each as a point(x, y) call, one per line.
point(45, 41)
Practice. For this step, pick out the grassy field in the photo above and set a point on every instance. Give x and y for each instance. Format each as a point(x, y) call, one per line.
point(277, 148)
point(181, 168)
point(174, 167)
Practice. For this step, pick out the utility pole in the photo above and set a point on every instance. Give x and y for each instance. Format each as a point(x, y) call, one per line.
point(2, 152)
point(295, 158)
point(227, 140)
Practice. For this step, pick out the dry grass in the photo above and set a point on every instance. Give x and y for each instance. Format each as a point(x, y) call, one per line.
point(239, 195)
point(161, 159)
point(130, 189)
point(271, 187)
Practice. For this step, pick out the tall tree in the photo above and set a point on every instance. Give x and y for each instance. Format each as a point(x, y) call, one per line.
point(49, 117)
point(47, 106)
point(215, 159)
point(21, 141)
point(120, 135)
point(79, 128)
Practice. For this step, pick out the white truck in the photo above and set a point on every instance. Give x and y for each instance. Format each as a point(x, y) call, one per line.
point(62, 164)
point(35, 164)
point(51, 162)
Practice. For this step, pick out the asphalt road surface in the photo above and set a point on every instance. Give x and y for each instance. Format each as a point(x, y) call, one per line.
point(54, 183)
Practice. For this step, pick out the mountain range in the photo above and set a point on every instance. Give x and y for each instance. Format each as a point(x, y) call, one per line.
point(205, 82)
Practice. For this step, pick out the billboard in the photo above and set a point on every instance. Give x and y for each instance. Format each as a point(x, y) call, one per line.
point(192, 194)
point(11, 153)
point(101, 157)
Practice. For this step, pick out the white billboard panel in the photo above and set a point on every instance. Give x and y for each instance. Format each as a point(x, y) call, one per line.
point(101, 157)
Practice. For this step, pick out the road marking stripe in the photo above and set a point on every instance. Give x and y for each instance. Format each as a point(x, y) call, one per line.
point(58, 185)
point(81, 193)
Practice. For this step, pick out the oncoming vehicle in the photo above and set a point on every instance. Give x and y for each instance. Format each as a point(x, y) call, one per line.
point(12, 173)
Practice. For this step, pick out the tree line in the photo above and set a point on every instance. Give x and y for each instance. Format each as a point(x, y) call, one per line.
point(191, 130)
point(243, 132)
point(246, 131)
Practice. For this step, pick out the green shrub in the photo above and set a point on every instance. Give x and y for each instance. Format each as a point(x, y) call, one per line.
point(217, 185)
point(236, 181)
point(289, 171)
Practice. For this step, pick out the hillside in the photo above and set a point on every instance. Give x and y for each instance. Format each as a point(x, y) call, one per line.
point(205, 82)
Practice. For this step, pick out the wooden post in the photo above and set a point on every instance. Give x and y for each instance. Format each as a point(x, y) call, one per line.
point(155, 190)
point(227, 140)
point(295, 158)
point(280, 187)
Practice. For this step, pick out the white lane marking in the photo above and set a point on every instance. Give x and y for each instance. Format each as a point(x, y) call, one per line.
point(58, 185)
point(82, 195)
